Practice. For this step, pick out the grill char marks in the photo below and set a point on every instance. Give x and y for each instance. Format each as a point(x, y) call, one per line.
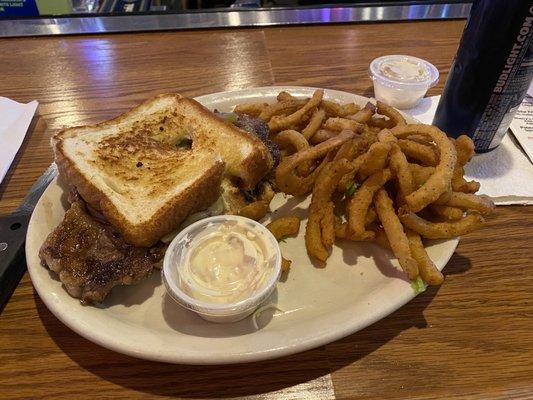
point(259, 128)
point(91, 258)
point(143, 153)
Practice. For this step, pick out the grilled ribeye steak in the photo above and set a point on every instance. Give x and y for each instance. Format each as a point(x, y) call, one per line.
point(259, 128)
point(256, 127)
point(91, 258)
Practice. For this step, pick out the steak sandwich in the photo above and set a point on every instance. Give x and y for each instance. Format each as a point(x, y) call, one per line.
point(135, 179)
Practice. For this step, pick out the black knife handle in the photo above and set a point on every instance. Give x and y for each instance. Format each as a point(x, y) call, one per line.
point(12, 262)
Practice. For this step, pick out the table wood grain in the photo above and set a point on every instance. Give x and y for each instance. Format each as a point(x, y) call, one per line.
point(469, 339)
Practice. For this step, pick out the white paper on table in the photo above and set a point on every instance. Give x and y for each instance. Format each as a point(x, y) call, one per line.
point(15, 118)
point(522, 126)
point(505, 174)
point(425, 109)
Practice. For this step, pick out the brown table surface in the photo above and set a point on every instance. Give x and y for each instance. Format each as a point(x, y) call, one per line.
point(471, 338)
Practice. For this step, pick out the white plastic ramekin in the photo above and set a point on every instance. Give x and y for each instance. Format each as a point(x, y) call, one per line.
point(230, 312)
point(402, 94)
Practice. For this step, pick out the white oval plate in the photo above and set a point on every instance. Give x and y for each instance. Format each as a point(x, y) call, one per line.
point(359, 286)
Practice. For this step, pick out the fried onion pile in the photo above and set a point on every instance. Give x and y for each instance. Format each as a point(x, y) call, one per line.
point(372, 177)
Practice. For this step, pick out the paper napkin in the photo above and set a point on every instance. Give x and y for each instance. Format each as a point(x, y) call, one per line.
point(505, 174)
point(15, 118)
point(522, 126)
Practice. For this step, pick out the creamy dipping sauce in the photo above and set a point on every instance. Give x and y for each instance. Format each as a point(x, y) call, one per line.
point(404, 70)
point(225, 264)
point(401, 81)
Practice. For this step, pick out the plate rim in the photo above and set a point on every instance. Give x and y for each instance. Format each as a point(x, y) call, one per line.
point(243, 357)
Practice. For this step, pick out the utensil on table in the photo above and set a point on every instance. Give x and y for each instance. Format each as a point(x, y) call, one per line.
point(13, 236)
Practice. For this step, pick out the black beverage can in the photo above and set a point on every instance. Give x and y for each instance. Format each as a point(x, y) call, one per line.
point(491, 72)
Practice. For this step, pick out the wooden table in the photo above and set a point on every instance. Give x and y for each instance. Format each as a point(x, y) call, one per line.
point(471, 338)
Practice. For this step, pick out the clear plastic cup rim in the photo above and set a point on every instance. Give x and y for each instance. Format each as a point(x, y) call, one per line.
point(214, 309)
point(376, 74)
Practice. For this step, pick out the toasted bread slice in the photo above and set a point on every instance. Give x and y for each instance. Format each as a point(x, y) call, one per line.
point(246, 156)
point(138, 171)
point(150, 168)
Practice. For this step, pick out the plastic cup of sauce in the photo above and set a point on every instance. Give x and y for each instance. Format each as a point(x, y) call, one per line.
point(401, 81)
point(222, 267)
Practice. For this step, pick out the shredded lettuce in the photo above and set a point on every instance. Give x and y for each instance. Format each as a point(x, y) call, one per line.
point(351, 187)
point(232, 119)
point(418, 285)
point(228, 117)
point(260, 310)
